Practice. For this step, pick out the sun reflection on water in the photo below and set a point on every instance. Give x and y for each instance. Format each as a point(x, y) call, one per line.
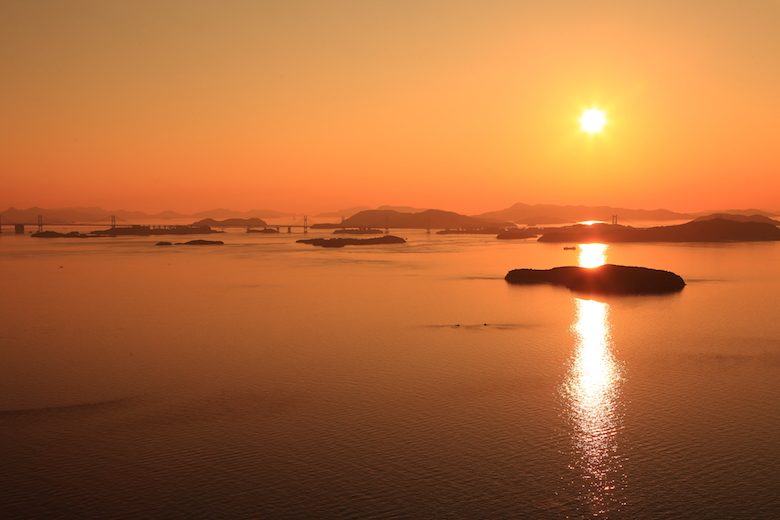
point(593, 407)
point(593, 255)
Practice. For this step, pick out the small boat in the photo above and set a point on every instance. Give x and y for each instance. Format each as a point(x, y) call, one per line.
point(570, 248)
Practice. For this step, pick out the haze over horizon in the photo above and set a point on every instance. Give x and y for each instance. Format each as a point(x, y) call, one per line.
point(536, 210)
point(308, 107)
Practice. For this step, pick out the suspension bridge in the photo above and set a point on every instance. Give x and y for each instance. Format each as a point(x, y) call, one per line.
point(19, 227)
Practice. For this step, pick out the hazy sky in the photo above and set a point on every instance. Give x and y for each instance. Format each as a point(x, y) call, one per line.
point(315, 105)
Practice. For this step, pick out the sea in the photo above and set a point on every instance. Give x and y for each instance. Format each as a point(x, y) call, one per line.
point(271, 379)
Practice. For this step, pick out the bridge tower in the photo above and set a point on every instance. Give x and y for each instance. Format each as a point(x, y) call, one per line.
point(113, 221)
point(40, 223)
point(305, 224)
point(614, 220)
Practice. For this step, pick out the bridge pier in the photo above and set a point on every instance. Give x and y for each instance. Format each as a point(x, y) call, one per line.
point(19, 229)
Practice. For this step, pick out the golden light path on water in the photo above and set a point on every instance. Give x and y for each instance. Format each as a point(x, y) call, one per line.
point(592, 396)
point(593, 255)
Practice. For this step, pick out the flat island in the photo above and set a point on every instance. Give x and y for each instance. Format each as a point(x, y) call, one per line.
point(605, 279)
point(145, 231)
point(55, 234)
point(193, 243)
point(341, 242)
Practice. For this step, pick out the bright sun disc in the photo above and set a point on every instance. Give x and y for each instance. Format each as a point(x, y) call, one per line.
point(593, 120)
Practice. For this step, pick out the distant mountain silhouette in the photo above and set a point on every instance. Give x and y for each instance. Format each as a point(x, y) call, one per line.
point(431, 218)
point(545, 214)
point(403, 209)
point(739, 218)
point(56, 216)
point(746, 212)
point(348, 212)
point(95, 214)
point(231, 222)
point(165, 215)
point(712, 230)
point(227, 213)
point(538, 214)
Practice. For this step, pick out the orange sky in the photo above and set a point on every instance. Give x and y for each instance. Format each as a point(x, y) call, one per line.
point(310, 105)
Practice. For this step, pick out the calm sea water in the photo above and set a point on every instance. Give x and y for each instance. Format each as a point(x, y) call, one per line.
point(269, 379)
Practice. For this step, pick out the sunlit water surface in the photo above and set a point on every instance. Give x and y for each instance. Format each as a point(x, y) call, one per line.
point(269, 379)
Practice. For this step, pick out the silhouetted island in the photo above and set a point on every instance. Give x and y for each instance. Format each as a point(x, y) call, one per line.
point(712, 230)
point(268, 231)
point(326, 225)
point(55, 234)
point(193, 243)
point(605, 279)
point(341, 242)
point(202, 243)
point(145, 231)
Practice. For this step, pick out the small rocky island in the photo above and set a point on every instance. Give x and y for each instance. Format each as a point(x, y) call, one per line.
point(605, 279)
point(341, 242)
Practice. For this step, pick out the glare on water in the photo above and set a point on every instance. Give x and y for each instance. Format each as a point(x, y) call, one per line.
point(593, 255)
point(591, 393)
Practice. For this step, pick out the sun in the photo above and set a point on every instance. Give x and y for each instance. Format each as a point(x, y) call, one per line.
point(593, 120)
